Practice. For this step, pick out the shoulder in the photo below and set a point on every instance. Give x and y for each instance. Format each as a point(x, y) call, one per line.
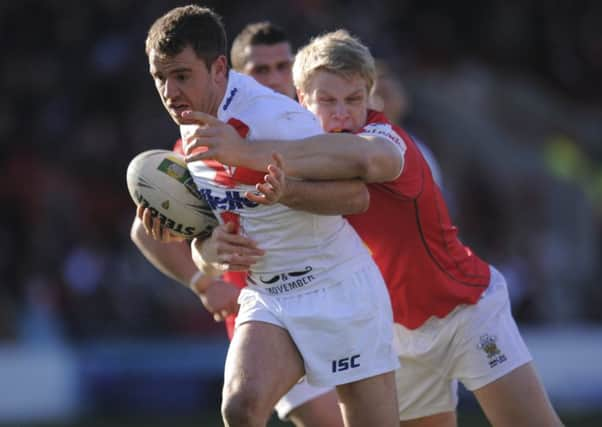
point(271, 115)
point(377, 125)
point(282, 118)
point(267, 114)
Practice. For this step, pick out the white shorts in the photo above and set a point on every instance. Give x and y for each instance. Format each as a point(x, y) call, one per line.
point(474, 344)
point(300, 394)
point(343, 331)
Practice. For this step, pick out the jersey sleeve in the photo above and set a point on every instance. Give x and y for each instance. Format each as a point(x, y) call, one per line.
point(410, 180)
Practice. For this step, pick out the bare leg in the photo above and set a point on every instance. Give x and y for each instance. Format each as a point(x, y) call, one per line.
point(262, 365)
point(323, 411)
point(370, 402)
point(517, 399)
point(444, 419)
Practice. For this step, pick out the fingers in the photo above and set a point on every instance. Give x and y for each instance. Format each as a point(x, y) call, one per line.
point(147, 220)
point(278, 160)
point(154, 228)
point(198, 117)
point(236, 261)
point(139, 212)
point(231, 251)
point(225, 239)
point(272, 189)
point(201, 140)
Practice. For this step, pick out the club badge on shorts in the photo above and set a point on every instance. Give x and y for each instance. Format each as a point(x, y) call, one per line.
point(490, 348)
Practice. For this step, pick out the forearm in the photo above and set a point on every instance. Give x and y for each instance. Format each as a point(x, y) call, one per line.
point(344, 197)
point(328, 157)
point(172, 259)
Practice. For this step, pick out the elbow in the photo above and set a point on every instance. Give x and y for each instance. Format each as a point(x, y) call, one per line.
point(382, 168)
point(382, 163)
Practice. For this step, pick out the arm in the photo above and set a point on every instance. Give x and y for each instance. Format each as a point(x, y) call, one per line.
point(330, 157)
point(175, 261)
point(343, 197)
point(320, 157)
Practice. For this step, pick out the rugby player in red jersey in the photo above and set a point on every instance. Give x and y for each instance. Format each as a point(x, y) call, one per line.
point(451, 309)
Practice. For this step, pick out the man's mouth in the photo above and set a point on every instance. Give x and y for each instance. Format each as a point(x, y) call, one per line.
point(178, 109)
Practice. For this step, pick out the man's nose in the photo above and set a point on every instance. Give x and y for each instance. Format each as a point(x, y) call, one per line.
point(170, 89)
point(340, 110)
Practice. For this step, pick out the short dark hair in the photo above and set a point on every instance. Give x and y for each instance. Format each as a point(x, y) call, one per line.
point(195, 26)
point(253, 34)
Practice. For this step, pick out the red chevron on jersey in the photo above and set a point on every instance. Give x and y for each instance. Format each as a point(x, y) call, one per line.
point(242, 174)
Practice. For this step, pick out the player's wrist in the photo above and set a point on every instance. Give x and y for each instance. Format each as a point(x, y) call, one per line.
point(201, 280)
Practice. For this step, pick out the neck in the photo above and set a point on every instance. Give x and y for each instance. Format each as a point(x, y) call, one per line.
point(220, 93)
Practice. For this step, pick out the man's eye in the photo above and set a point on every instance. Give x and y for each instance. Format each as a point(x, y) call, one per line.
point(261, 70)
point(284, 66)
point(181, 77)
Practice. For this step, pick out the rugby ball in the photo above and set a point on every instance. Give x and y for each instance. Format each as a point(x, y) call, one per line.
point(160, 180)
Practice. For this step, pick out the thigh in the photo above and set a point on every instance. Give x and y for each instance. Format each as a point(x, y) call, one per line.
point(262, 365)
point(444, 419)
point(424, 391)
point(305, 404)
point(321, 411)
point(370, 402)
point(517, 399)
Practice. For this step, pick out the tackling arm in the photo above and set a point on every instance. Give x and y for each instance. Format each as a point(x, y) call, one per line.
point(329, 157)
point(345, 197)
point(320, 157)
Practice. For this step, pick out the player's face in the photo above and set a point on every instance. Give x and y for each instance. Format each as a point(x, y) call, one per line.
point(271, 66)
point(340, 103)
point(184, 82)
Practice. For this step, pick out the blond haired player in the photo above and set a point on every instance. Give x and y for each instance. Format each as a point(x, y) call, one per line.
point(451, 309)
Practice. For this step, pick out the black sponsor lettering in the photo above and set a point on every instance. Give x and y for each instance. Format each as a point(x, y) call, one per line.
point(289, 286)
point(345, 363)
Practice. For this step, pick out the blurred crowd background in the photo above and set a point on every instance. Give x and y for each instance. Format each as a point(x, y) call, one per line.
point(506, 94)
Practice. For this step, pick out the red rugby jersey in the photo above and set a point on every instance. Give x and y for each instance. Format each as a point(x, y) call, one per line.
point(407, 227)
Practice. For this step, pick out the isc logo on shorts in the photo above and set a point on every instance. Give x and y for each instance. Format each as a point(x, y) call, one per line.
point(345, 363)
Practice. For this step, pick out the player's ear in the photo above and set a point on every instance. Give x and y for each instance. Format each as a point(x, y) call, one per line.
point(301, 97)
point(219, 69)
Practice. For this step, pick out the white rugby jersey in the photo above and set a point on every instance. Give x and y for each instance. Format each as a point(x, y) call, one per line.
point(302, 249)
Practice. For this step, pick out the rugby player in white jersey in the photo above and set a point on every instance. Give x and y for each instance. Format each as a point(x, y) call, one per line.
point(263, 51)
point(451, 309)
point(315, 304)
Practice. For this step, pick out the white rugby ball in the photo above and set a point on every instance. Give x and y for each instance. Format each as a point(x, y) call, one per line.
point(160, 180)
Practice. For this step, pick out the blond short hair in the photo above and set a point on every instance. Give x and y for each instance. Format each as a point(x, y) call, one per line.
point(337, 52)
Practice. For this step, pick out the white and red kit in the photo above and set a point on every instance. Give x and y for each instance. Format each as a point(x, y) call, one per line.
point(317, 279)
